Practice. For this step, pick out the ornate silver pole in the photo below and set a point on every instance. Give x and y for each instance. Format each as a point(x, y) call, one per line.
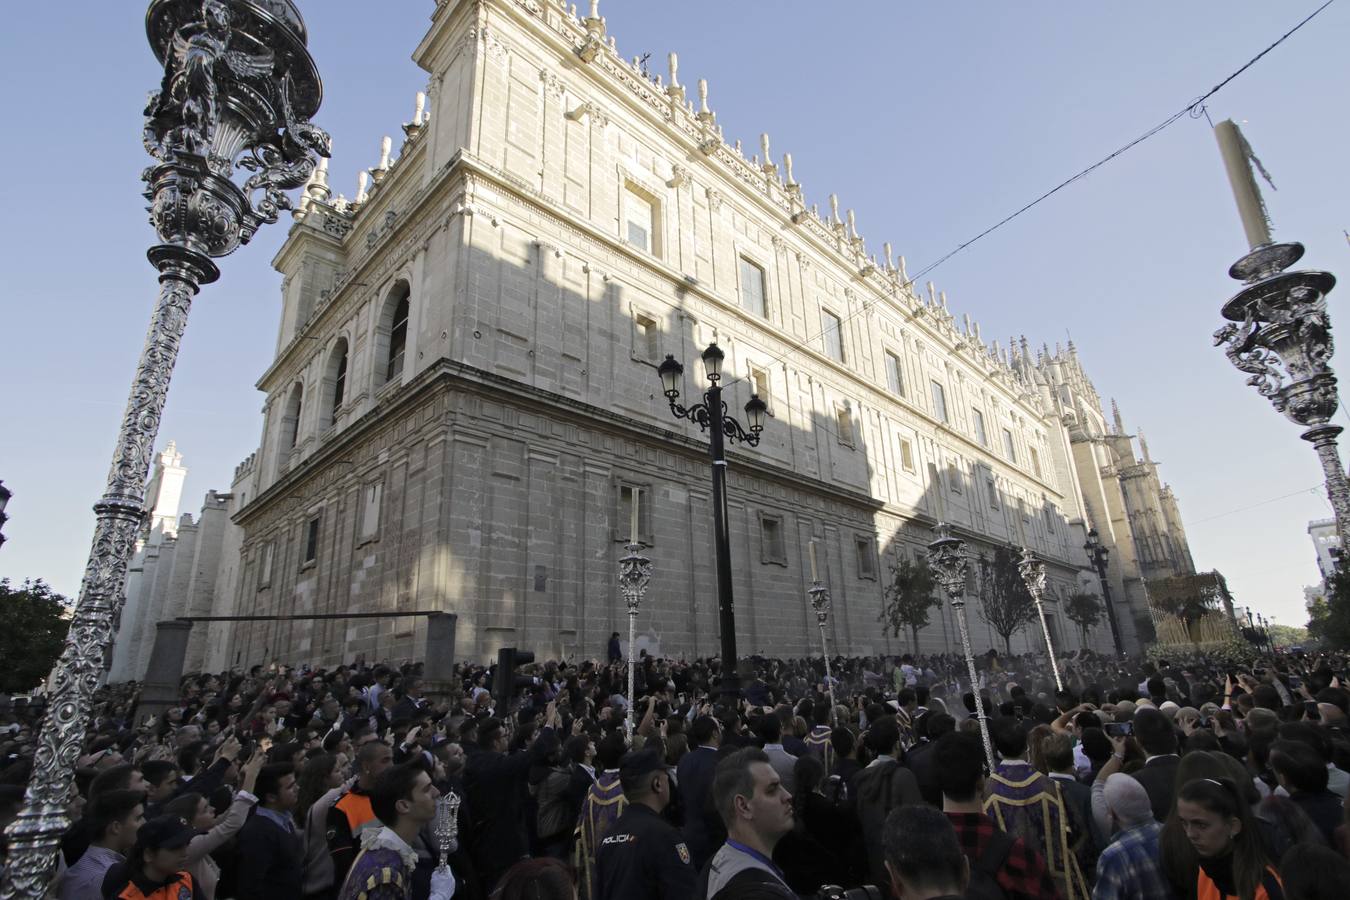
point(1283, 340)
point(635, 572)
point(947, 558)
point(239, 87)
point(1032, 571)
point(820, 604)
point(445, 828)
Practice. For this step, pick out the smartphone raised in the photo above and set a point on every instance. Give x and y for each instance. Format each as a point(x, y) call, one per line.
point(1118, 729)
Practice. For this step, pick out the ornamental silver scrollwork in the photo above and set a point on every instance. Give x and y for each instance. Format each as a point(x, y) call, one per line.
point(238, 88)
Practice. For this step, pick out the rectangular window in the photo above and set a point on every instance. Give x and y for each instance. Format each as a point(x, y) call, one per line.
point(639, 214)
point(867, 561)
point(752, 288)
point(646, 338)
point(772, 549)
point(831, 332)
point(1035, 461)
point(844, 420)
point(265, 564)
point(895, 379)
point(992, 487)
point(1009, 449)
point(311, 541)
point(1050, 518)
point(980, 434)
point(906, 455)
point(759, 380)
point(623, 527)
point(939, 402)
point(371, 495)
point(954, 477)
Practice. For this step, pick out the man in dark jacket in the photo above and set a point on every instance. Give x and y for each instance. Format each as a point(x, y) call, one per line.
point(612, 651)
point(703, 829)
point(880, 787)
point(1303, 774)
point(271, 852)
point(1159, 775)
point(494, 781)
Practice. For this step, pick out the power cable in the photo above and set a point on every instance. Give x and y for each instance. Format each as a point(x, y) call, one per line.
point(1314, 489)
point(1188, 109)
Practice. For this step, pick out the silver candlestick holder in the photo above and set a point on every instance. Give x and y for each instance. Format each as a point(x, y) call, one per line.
point(1032, 571)
point(635, 572)
point(445, 827)
point(820, 605)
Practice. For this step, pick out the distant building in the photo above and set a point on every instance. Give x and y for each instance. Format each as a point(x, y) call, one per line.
point(1325, 542)
point(463, 405)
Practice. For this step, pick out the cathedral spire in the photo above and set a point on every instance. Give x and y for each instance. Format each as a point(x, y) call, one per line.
point(1115, 415)
point(1143, 446)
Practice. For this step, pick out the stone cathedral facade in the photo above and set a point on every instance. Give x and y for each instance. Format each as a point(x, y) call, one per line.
point(464, 401)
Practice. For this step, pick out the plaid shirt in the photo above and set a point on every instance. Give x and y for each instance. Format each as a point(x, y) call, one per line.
point(1023, 874)
point(1131, 866)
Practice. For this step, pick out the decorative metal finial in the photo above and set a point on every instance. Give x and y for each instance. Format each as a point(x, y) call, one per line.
point(820, 605)
point(635, 572)
point(238, 90)
point(1032, 571)
point(951, 567)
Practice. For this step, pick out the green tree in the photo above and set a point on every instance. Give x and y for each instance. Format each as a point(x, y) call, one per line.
point(1329, 618)
point(1288, 635)
point(908, 599)
point(1005, 602)
point(1084, 610)
point(35, 623)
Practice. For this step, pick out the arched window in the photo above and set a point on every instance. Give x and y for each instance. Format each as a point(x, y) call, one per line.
point(290, 420)
point(391, 336)
point(335, 382)
point(398, 340)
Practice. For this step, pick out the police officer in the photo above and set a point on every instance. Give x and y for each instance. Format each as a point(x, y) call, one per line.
point(643, 856)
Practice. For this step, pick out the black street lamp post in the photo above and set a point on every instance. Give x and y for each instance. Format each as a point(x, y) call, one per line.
point(711, 416)
point(1097, 556)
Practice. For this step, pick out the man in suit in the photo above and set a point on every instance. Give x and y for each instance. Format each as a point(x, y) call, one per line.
point(495, 782)
point(703, 828)
point(270, 848)
point(1084, 841)
point(1159, 775)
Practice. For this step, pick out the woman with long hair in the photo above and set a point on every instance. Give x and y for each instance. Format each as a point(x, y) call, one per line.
point(1219, 825)
point(536, 879)
point(1178, 855)
point(321, 784)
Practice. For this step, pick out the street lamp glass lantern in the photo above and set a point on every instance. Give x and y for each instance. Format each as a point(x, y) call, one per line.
point(754, 411)
point(712, 362)
point(671, 373)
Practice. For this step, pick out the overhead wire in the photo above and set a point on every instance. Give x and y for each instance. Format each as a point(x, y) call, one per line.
point(1188, 109)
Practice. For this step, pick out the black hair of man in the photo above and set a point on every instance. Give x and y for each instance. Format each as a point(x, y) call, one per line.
point(906, 697)
point(1312, 735)
point(768, 729)
point(574, 750)
point(114, 778)
point(267, 787)
point(921, 848)
point(1087, 719)
point(936, 724)
point(733, 779)
point(959, 759)
point(1154, 732)
point(156, 770)
point(843, 740)
point(883, 736)
point(921, 694)
point(1299, 765)
point(702, 730)
point(1097, 746)
point(368, 752)
point(488, 730)
point(1009, 739)
point(394, 784)
point(609, 751)
point(110, 807)
point(1157, 688)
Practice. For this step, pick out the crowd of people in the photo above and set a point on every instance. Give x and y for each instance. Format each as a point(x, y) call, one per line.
point(1185, 779)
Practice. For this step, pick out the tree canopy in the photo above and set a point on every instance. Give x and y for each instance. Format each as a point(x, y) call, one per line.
point(1005, 602)
point(35, 623)
point(909, 597)
point(1084, 610)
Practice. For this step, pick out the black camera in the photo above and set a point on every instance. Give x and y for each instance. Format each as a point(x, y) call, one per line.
point(864, 892)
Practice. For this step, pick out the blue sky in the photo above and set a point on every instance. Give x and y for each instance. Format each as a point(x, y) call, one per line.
point(932, 121)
